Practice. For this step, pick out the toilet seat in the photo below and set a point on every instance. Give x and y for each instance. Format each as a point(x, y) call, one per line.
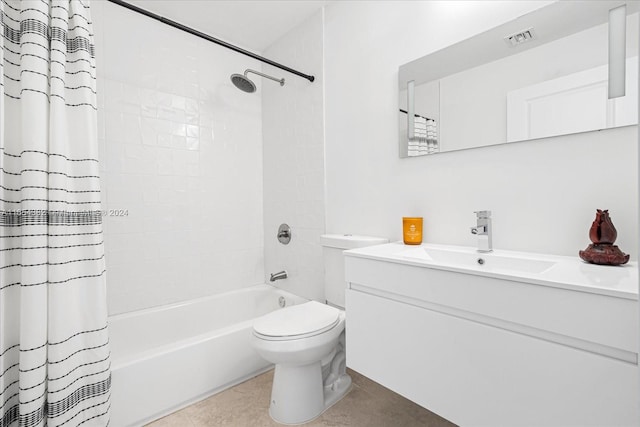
point(297, 322)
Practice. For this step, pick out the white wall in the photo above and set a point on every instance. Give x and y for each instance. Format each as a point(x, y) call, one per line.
point(543, 194)
point(181, 151)
point(293, 135)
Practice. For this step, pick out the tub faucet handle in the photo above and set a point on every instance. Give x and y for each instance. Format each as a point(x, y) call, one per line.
point(284, 234)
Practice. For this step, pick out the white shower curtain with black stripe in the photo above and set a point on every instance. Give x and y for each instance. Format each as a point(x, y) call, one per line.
point(54, 346)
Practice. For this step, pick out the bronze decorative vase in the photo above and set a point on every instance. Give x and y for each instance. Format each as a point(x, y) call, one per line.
point(603, 234)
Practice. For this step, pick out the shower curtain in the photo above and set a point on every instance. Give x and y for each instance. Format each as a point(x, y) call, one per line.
point(54, 347)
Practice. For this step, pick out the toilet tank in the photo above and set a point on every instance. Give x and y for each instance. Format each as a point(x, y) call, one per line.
point(332, 247)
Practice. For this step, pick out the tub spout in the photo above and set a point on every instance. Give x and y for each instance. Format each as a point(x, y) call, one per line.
point(278, 276)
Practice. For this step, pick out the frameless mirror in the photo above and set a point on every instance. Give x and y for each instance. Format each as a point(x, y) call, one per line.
point(543, 74)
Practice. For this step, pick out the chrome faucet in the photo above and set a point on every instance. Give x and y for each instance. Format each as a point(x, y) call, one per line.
point(278, 276)
point(483, 231)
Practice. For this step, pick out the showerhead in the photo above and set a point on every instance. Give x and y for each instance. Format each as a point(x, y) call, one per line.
point(243, 82)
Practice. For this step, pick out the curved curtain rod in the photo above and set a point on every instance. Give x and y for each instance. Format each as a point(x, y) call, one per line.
point(197, 33)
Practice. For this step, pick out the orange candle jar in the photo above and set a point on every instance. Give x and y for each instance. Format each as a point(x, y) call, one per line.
point(412, 230)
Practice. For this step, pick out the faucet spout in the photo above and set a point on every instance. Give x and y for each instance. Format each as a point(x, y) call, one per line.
point(278, 276)
point(483, 231)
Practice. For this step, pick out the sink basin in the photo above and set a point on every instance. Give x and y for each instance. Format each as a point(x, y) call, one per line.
point(470, 258)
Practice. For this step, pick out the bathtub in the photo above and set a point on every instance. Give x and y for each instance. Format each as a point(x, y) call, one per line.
point(168, 357)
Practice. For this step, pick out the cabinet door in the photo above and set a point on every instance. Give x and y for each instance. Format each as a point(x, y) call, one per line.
point(473, 374)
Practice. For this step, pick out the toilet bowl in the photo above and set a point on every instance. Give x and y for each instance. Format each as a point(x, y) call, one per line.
point(306, 343)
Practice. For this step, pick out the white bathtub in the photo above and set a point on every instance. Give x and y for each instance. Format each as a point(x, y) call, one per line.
point(168, 357)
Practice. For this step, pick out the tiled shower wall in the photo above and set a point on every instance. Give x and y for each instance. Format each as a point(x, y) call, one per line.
point(181, 159)
point(293, 132)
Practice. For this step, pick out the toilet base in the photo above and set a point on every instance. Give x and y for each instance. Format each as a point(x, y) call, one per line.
point(336, 391)
point(298, 395)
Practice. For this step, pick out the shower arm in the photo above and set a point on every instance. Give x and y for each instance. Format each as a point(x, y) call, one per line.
point(281, 81)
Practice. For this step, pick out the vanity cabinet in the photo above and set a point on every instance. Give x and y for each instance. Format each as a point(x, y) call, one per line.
point(481, 351)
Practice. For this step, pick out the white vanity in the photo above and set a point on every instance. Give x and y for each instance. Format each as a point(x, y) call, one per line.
point(505, 338)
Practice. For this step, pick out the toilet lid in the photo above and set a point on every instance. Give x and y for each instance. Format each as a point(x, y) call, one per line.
point(300, 319)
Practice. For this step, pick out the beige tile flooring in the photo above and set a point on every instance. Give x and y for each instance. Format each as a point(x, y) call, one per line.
point(368, 404)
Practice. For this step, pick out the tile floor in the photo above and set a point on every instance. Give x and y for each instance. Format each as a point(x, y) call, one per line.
point(368, 404)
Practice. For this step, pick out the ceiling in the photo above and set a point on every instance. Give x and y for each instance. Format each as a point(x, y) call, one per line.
point(250, 24)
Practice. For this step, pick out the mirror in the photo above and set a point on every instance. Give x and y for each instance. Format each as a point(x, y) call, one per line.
point(543, 74)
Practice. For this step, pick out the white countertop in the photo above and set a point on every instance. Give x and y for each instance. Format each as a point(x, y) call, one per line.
point(567, 273)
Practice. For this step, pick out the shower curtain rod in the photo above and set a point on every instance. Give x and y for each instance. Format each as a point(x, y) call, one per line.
point(416, 115)
point(197, 33)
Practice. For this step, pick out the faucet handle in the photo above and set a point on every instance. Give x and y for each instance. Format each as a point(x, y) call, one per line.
point(483, 214)
point(481, 229)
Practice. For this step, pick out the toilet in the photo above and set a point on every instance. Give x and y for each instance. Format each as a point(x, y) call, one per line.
point(306, 342)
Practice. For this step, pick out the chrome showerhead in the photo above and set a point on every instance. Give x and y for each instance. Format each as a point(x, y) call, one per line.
point(243, 82)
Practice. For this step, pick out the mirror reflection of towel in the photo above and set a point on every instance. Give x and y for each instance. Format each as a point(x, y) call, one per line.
point(425, 139)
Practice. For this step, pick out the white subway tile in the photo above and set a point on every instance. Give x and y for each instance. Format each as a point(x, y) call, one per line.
point(187, 188)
